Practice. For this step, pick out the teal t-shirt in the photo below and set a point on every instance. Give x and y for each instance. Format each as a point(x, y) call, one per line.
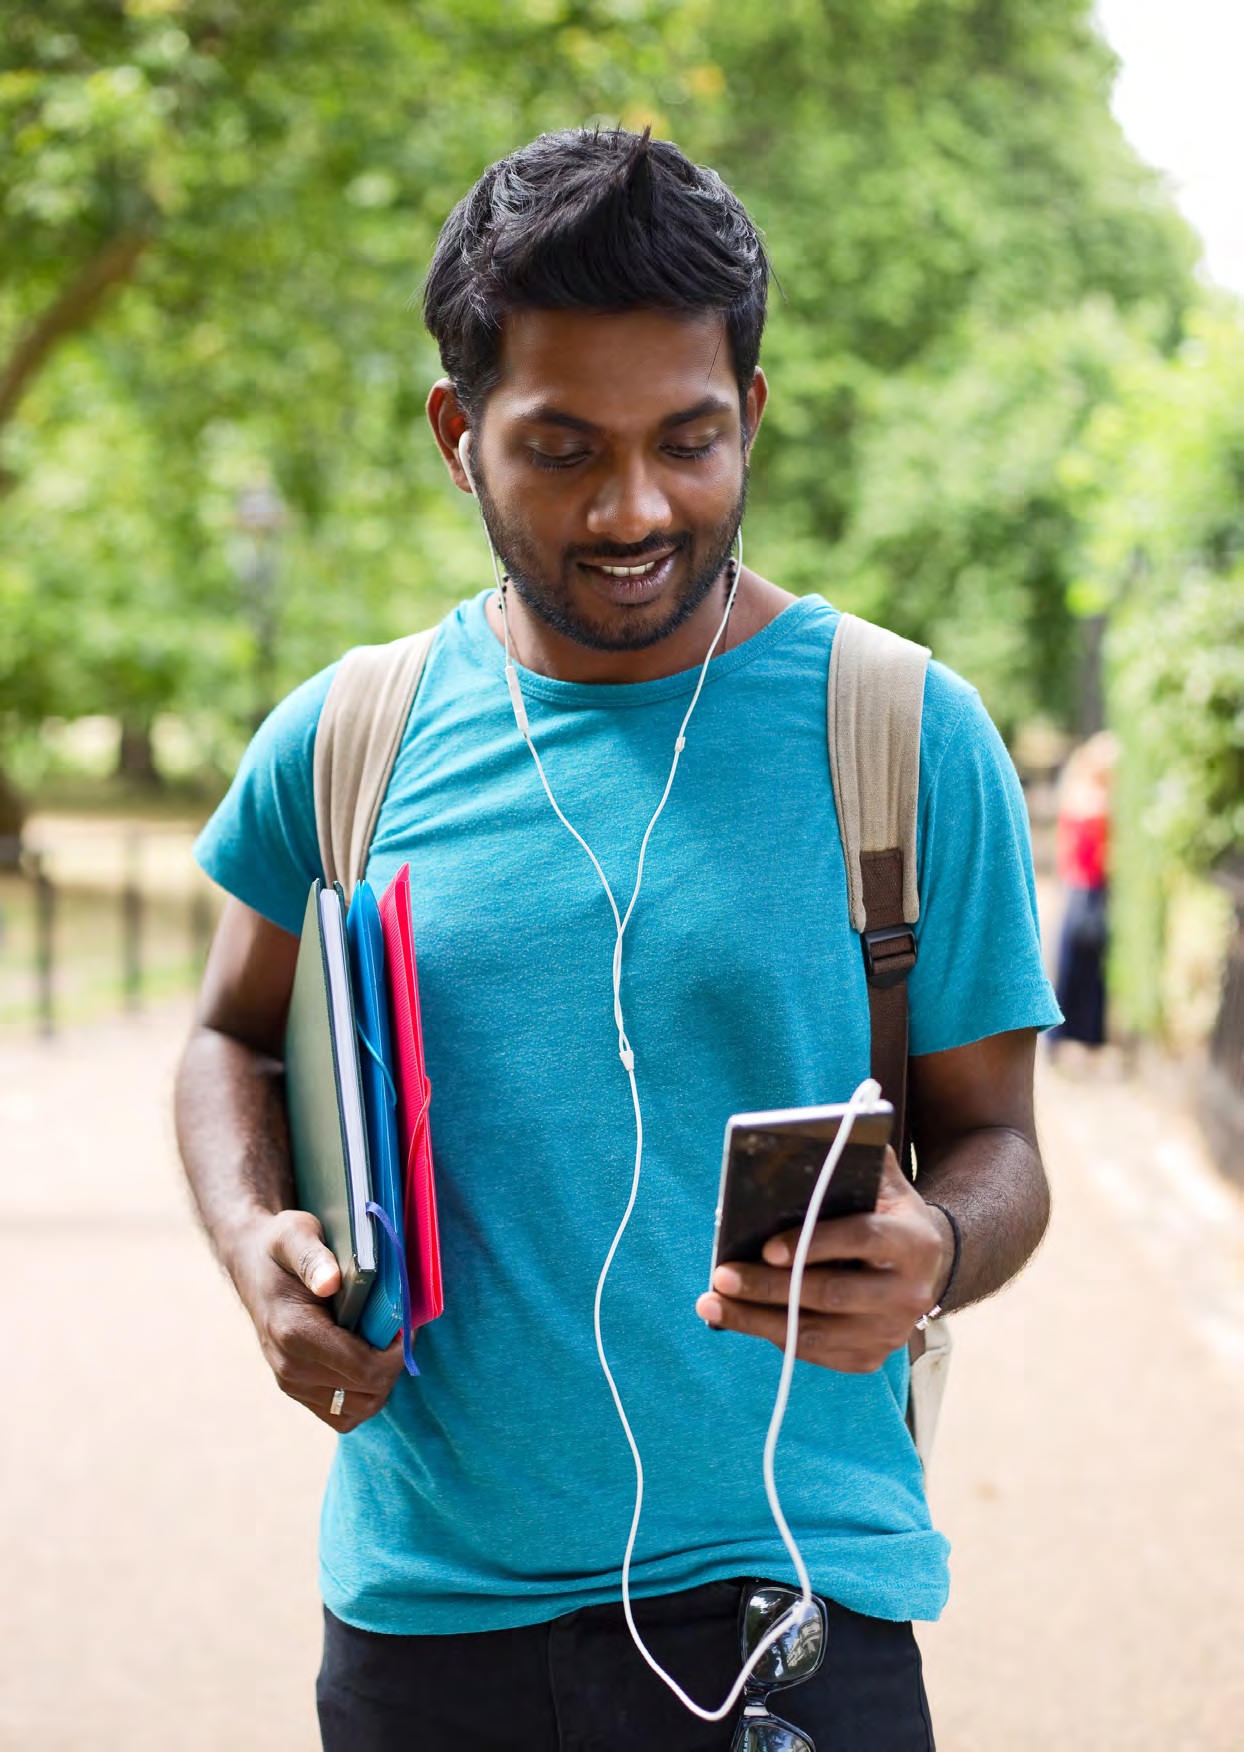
point(497, 1488)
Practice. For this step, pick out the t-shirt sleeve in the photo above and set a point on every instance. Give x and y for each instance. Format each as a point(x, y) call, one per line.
point(979, 969)
point(261, 843)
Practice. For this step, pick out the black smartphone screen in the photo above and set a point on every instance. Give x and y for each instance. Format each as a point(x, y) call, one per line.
point(772, 1163)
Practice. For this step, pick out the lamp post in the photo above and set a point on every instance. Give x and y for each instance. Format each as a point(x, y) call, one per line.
point(260, 516)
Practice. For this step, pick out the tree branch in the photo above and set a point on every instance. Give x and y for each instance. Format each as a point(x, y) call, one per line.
point(74, 309)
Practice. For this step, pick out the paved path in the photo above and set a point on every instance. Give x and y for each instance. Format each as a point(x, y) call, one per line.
point(1090, 1469)
point(158, 1498)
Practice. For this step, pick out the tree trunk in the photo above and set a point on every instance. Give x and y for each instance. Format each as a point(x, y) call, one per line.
point(135, 755)
point(72, 310)
point(12, 816)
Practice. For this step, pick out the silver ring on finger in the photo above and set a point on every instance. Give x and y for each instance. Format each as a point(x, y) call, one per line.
point(338, 1403)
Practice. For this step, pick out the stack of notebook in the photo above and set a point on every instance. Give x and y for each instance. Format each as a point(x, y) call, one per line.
point(358, 1094)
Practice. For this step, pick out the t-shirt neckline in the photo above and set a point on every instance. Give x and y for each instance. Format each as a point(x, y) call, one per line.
point(621, 695)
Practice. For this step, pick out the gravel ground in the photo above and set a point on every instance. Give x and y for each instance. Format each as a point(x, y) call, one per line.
point(158, 1498)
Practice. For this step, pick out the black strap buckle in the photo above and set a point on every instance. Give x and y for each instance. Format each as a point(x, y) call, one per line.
point(889, 954)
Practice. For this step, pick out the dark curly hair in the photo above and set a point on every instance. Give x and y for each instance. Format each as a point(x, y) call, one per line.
point(591, 219)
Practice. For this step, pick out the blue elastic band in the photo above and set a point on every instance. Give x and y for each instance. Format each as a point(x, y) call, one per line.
point(388, 1079)
point(386, 1222)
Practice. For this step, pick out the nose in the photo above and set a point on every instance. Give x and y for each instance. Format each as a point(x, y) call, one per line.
point(630, 502)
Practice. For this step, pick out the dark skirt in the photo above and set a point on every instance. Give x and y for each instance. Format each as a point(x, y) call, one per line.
point(1081, 983)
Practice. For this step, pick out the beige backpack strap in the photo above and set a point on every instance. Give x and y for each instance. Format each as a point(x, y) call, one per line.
point(930, 1353)
point(356, 743)
point(876, 702)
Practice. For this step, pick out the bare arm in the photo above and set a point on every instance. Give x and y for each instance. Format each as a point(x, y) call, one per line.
point(977, 1152)
point(231, 1129)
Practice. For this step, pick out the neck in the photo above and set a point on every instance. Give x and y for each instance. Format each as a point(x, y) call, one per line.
point(540, 648)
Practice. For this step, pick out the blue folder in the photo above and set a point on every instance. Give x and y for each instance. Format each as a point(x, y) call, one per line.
point(387, 1309)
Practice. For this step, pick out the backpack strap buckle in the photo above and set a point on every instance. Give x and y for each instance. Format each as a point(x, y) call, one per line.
point(889, 954)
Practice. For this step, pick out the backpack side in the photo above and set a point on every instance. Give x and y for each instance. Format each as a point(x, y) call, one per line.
point(356, 743)
point(875, 708)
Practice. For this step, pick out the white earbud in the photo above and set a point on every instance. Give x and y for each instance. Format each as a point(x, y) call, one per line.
point(463, 446)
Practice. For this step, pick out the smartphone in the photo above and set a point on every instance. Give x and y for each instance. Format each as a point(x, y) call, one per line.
point(771, 1164)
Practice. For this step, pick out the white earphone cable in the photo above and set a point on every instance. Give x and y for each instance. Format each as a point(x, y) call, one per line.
point(867, 1093)
point(680, 742)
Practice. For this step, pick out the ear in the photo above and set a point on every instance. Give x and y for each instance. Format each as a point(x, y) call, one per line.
point(757, 396)
point(449, 426)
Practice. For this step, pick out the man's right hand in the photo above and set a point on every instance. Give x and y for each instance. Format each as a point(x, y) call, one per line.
point(232, 1131)
point(285, 1276)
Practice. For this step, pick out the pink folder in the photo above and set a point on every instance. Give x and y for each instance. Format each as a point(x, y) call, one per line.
point(414, 1092)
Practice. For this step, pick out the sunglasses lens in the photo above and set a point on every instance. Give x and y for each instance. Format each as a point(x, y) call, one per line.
point(799, 1650)
point(767, 1734)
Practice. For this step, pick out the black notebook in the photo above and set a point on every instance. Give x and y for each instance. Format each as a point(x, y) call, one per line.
point(324, 1097)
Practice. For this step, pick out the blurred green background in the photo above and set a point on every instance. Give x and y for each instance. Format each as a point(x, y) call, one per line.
point(1007, 419)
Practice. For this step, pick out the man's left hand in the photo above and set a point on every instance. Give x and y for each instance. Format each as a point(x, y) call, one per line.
point(850, 1320)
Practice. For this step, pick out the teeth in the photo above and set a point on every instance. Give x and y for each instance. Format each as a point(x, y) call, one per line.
point(629, 571)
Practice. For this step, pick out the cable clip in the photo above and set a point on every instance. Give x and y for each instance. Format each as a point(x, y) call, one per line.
point(516, 699)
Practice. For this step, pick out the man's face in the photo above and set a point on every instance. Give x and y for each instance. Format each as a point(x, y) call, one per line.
point(610, 468)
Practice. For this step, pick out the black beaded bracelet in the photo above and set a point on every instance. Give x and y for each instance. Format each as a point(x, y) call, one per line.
point(955, 1257)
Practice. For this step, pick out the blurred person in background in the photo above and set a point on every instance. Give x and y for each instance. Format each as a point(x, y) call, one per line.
point(1083, 864)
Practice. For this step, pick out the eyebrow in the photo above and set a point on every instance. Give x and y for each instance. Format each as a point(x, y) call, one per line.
point(548, 415)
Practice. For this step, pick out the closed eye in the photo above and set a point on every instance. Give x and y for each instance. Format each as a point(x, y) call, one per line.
point(553, 461)
point(690, 452)
point(542, 459)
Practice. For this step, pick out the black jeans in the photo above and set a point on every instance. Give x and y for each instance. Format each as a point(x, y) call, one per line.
point(578, 1684)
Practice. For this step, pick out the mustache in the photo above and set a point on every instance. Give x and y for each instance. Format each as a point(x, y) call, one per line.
point(632, 550)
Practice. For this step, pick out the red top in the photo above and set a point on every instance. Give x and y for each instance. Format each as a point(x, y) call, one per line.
point(1082, 842)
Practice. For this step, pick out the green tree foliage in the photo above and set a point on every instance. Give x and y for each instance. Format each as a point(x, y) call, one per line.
point(964, 531)
point(954, 218)
point(213, 217)
point(212, 221)
point(1164, 465)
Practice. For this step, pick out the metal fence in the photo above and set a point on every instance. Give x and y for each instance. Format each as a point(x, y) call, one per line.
point(98, 916)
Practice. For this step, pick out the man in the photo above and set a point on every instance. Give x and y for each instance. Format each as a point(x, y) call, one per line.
point(598, 303)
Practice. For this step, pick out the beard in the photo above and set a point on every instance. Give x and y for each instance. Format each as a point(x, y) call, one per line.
point(556, 602)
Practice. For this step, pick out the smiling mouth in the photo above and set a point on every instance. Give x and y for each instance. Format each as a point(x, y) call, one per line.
point(642, 570)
